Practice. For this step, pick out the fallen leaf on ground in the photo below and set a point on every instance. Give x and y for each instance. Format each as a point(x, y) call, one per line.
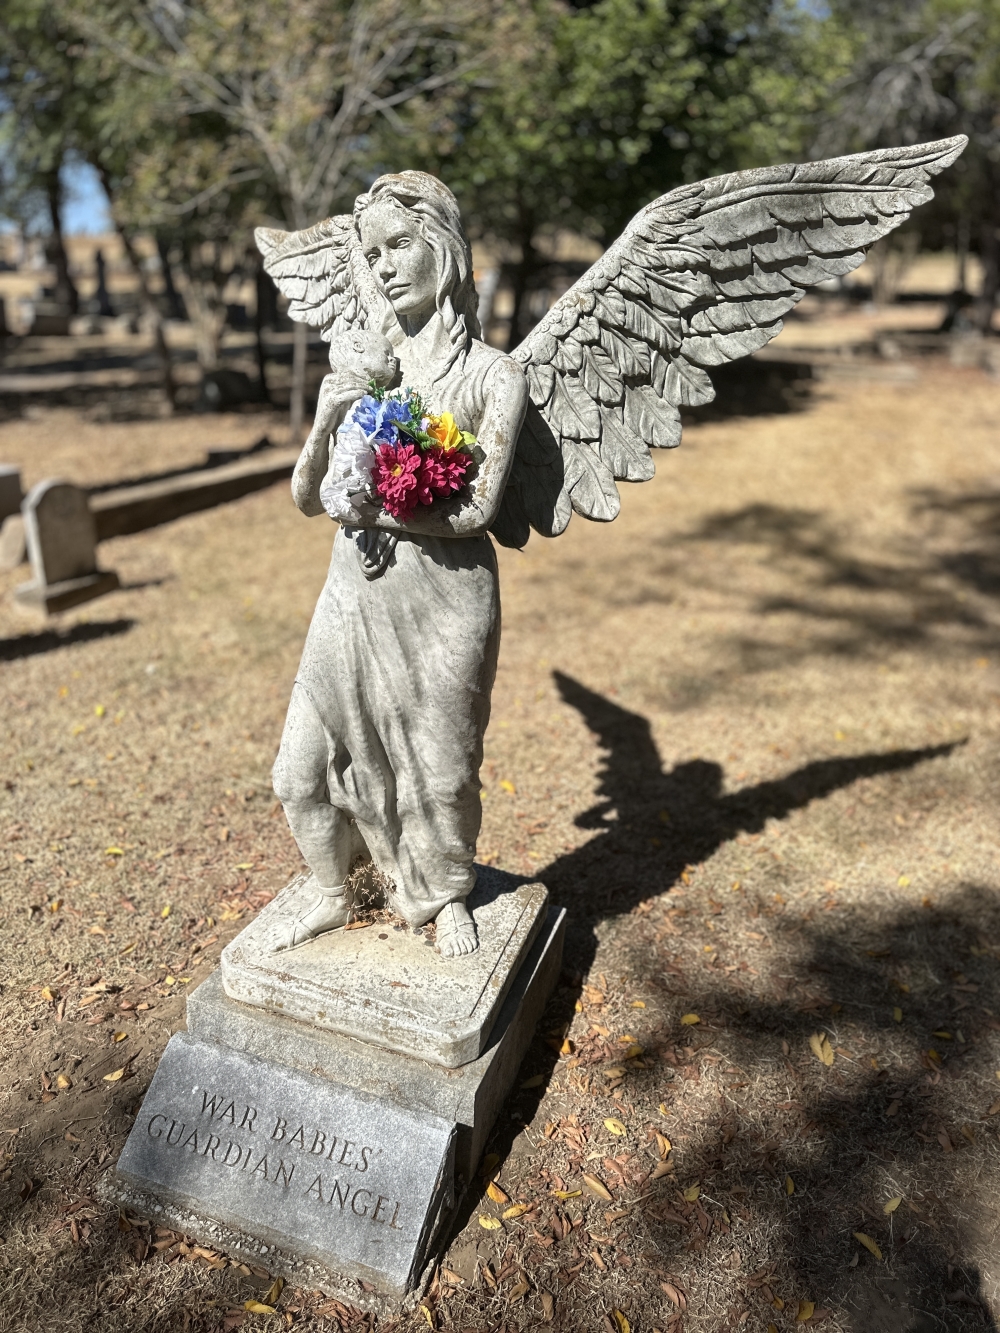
point(597, 1187)
point(508, 786)
point(520, 1288)
point(63, 1081)
point(638, 1004)
point(615, 1071)
point(489, 1223)
point(490, 1161)
point(870, 1245)
point(428, 1315)
point(661, 1169)
point(548, 1307)
point(535, 1081)
point(789, 1185)
point(496, 1193)
point(819, 1044)
point(663, 1143)
point(614, 1126)
point(568, 1194)
point(692, 1193)
point(516, 1210)
point(805, 1311)
point(451, 1276)
point(891, 1205)
point(274, 1290)
point(689, 1020)
point(113, 1078)
point(47, 994)
point(623, 1325)
point(897, 1014)
point(675, 1295)
point(258, 1307)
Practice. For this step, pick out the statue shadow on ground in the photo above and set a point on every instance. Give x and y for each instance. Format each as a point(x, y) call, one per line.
point(842, 971)
point(45, 641)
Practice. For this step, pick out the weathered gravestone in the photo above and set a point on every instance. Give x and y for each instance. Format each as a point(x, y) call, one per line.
point(11, 494)
point(12, 549)
point(62, 547)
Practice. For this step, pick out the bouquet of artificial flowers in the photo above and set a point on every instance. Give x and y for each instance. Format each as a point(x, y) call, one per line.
point(389, 450)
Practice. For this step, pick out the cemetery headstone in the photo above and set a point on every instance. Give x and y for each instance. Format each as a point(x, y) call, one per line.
point(62, 547)
point(11, 494)
point(410, 1021)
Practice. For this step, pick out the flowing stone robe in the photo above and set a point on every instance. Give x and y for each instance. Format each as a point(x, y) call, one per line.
point(400, 669)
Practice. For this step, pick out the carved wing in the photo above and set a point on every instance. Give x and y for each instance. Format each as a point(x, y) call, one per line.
point(701, 276)
point(318, 271)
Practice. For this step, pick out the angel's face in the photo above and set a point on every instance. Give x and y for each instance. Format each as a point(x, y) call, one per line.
point(402, 262)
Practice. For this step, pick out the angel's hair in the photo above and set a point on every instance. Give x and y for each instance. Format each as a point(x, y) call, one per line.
point(441, 222)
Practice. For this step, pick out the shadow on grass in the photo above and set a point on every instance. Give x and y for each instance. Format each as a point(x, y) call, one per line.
point(898, 602)
point(46, 641)
point(902, 1111)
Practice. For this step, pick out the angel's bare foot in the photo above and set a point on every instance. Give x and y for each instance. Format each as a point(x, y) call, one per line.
point(330, 911)
point(456, 932)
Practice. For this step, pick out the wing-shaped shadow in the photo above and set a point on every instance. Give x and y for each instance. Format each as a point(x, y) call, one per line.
point(685, 809)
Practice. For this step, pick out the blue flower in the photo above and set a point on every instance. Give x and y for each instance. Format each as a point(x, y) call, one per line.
point(366, 412)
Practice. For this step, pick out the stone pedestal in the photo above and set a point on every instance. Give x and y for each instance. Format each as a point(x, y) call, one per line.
point(327, 1157)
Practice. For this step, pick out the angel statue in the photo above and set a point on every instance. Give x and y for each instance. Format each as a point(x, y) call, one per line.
point(382, 746)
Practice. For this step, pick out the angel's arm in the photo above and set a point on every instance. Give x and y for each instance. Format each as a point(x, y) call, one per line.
point(470, 514)
point(336, 395)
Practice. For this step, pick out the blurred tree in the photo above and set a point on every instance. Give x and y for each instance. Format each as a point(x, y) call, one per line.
point(63, 100)
point(585, 115)
point(289, 92)
point(923, 69)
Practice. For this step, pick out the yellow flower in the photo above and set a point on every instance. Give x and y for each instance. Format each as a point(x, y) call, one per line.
point(443, 429)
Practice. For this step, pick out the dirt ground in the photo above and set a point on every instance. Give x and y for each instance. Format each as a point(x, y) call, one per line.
point(747, 735)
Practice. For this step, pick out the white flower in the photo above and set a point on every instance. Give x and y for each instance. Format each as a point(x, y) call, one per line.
point(350, 473)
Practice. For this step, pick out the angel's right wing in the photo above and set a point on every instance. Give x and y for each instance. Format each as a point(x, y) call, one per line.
point(699, 277)
point(318, 271)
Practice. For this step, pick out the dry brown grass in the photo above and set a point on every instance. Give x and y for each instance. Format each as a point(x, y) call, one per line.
point(751, 735)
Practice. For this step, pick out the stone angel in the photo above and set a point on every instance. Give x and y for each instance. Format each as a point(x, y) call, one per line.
point(382, 746)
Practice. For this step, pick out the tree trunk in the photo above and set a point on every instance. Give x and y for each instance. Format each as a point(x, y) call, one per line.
point(989, 254)
point(297, 402)
point(263, 318)
point(66, 291)
point(175, 306)
point(522, 273)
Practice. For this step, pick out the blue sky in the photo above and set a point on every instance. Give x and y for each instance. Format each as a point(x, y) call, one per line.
point(86, 210)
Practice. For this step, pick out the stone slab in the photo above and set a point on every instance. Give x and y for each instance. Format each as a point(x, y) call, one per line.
point(136, 508)
point(55, 597)
point(387, 985)
point(303, 1165)
point(470, 1096)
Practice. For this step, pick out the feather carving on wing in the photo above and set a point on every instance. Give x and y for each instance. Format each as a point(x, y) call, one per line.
point(699, 277)
point(322, 273)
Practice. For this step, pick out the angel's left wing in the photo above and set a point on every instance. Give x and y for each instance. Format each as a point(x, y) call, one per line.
point(699, 277)
point(318, 270)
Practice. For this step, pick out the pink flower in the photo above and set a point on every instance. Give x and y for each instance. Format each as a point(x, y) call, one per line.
point(395, 476)
point(442, 471)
